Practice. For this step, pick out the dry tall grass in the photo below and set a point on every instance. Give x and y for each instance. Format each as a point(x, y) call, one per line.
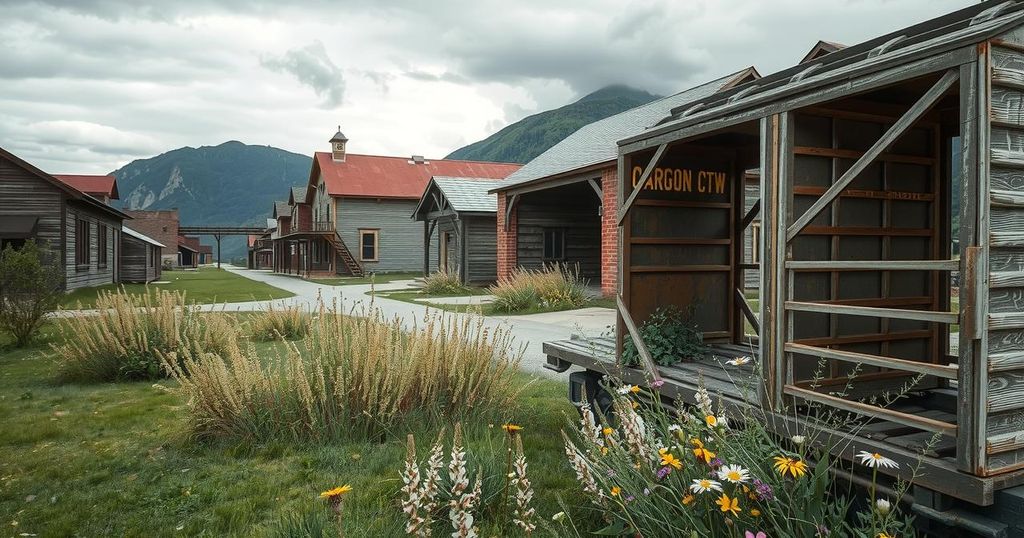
point(290, 322)
point(125, 337)
point(554, 287)
point(443, 283)
point(356, 377)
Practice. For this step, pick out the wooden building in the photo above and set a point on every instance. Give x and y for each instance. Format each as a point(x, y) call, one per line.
point(863, 153)
point(261, 247)
point(560, 207)
point(353, 215)
point(82, 231)
point(140, 257)
point(162, 226)
point(464, 215)
point(188, 252)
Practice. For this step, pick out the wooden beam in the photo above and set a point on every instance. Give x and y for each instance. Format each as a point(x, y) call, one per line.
point(874, 411)
point(597, 189)
point(923, 105)
point(641, 347)
point(748, 313)
point(890, 313)
point(755, 210)
point(875, 265)
point(945, 372)
point(509, 204)
point(643, 181)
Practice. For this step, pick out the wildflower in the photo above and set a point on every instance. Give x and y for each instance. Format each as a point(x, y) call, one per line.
point(711, 421)
point(763, 491)
point(703, 400)
point(335, 493)
point(626, 389)
point(794, 467)
point(634, 389)
point(821, 531)
point(607, 431)
point(885, 535)
point(668, 460)
point(657, 383)
point(700, 452)
point(755, 512)
point(875, 460)
point(704, 485)
point(734, 474)
point(523, 491)
point(716, 463)
point(558, 517)
point(739, 361)
point(616, 490)
point(760, 534)
point(688, 499)
point(630, 498)
point(799, 440)
point(883, 506)
point(647, 492)
point(511, 428)
point(674, 427)
point(663, 472)
point(727, 504)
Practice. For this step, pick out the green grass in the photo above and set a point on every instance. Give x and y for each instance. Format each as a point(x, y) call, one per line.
point(411, 296)
point(113, 459)
point(204, 286)
point(375, 278)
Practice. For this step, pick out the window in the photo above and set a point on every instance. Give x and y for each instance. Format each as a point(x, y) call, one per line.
point(368, 243)
point(82, 240)
point(755, 242)
point(101, 244)
point(554, 244)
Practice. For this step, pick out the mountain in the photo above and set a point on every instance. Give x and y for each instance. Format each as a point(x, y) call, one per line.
point(229, 184)
point(525, 139)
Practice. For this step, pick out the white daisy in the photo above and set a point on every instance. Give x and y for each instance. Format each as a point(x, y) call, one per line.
point(734, 474)
point(739, 361)
point(883, 506)
point(704, 485)
point(626, 389)
point(874, 460)
point(799, 439)
point(674, 427)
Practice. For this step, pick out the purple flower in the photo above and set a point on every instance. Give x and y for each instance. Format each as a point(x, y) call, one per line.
point(716, 463)
point(611, 473)
point(657, 383)
point(763, 491)
point(663, 472)
point(630, 498)
point(821, 531)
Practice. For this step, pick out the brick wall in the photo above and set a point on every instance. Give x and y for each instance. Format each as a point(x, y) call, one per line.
point(161, 225)
point(507, 257)
point(609, 232)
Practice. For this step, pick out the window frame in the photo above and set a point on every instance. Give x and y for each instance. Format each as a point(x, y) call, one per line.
point(375, 232)
point(102, 256)
point(561, 246)
point(83, 243)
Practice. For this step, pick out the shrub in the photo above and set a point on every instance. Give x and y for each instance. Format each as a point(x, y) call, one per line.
point(290, 322)
point(357, 377)
point(670, 336)
point(127, 335)
point(29, 289)
point(556, 287)
point(683, 472)
point(443, 283)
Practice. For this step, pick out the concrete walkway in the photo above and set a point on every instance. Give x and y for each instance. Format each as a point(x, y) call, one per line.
point(530, 331)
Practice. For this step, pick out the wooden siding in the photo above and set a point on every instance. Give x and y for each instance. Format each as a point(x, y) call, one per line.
point(481, 249)
point(137, 260)
point(22, 193)
point(1003, 204)
point(93, 275)
point(401, 238)
point(573, 208)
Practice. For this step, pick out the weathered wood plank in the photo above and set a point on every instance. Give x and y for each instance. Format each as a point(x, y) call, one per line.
point(875, 265)
point(1008, 320)
point(945, 372)
point(891, 313)
point(1006, 300)
point(1007, 105)
point(874, 411)
point(1005, 391)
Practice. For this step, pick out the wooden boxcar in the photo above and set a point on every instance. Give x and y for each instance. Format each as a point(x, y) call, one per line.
point(870, 158)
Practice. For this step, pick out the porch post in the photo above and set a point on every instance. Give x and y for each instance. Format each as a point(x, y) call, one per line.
point(426, 247)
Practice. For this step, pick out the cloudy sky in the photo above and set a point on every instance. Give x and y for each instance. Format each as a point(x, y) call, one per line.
point(89, 85)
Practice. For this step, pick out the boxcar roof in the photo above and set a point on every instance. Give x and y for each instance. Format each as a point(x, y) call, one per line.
point(930, 38)
point(594, 143)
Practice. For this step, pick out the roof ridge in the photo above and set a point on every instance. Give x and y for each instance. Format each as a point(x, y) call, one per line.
point(327, 153)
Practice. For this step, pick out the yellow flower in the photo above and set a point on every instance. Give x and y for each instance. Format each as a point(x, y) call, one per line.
point(604, 451)
point(885, 535)
point(511, 428)
point(336, 493)
point(711, 421)
point(700, 452)
point(728, 505)
point(635, 405)
point(634, 389)
point(668, 460)
point(615, 491)
point(791, 466)
point(755, 512)
point(607, 431)
point(687, 499)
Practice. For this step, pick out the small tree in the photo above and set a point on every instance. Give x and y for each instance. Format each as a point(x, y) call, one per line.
point(30, 286)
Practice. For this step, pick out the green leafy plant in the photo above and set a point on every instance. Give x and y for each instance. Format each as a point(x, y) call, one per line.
point(29, 289)
point(670, 335)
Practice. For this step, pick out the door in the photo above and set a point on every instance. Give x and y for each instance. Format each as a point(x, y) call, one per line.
point(446, 240)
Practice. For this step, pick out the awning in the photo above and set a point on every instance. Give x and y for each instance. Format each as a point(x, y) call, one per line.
point(18, 226)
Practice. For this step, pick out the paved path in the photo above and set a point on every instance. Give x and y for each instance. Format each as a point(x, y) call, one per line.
point(530, 331)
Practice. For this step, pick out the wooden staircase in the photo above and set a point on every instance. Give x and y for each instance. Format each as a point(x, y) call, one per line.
point(348, 261)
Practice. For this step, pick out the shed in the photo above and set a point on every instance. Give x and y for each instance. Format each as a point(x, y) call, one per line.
point(464, 214)
point(140, 257)
point(869, 157)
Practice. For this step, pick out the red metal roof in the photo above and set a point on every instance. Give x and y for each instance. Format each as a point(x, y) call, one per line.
point(375, 176)
point(91, 185)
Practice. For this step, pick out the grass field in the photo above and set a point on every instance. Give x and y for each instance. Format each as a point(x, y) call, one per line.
point(411, 296)
point(381, 278)
point(204, 286)
point(112, 459)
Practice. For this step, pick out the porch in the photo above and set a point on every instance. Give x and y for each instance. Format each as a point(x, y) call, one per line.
point(313, 249)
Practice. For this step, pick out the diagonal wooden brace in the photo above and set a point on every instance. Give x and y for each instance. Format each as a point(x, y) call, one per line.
point(643, 181)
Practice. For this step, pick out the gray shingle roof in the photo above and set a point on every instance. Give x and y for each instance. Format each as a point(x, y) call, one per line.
point(466, 194)
point(595, 142)
point(299, 194)
point(142, 237)
point(282, 208)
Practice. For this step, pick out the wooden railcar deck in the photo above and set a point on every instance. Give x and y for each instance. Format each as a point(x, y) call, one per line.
point(738, 386)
